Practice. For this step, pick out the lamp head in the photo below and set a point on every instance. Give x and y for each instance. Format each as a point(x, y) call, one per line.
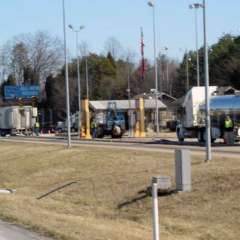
point(195, 5)
point(81, 27)
point(151, 3)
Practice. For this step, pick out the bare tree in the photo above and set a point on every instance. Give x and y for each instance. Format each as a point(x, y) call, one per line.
point(113, 46)
point(45, 54)
point(38, 54)
point(19, 61)
point(168, 72)
point(5, 61)
point(84, 48)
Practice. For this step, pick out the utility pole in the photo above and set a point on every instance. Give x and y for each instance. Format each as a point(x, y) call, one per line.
point(129, 101)
point(187, 71)
point(78, 77)
point(196, 6)
point(87, 84)
point(207, 103)
point(152, 5)
point(66, 79)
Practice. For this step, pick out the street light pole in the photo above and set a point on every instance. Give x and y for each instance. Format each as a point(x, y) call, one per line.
point(187, 74)
point(129, 100)
point(196, 6)
point(66, 79)
point(167, 70)
point(207, 104)
point(152, 5)
point(188, 59)
point(87, 84)
point(78, 78)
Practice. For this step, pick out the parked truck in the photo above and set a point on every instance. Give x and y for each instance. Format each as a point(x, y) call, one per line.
point(111, 123)
point(192, 114)
point(17, 119)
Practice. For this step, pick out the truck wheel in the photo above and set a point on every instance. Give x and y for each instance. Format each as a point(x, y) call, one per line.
point(180, 138)
point(201, 137)
point(100, 132)
point(213, 140)
point(2, 133)
point(117, 132)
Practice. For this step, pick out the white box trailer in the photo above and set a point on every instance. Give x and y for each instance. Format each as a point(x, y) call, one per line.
point(16, 119)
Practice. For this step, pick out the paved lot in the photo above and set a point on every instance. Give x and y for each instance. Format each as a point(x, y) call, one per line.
point(12, 232)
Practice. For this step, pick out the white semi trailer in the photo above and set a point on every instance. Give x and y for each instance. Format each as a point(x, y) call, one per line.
point(17, 119)
point(192, 120)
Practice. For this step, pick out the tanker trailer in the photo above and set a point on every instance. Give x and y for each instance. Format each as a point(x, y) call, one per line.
point(190, 123)
point(220, 107)
point(17, 119)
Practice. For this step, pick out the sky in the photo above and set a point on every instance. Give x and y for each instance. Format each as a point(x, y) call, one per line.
point(122, 20)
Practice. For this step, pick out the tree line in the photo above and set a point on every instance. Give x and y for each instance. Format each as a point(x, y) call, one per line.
point(224, 65)
point(38, 59)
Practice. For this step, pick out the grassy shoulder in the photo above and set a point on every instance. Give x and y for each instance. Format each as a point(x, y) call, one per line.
point(108, 200)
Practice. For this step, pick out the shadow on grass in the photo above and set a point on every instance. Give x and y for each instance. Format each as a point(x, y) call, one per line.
point(145, 194)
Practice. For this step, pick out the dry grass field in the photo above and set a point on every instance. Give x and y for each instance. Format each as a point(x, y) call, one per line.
point(108, 200)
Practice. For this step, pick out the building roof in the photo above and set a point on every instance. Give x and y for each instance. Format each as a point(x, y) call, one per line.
point(164, 97)
point(124, 104)
point(226, 90)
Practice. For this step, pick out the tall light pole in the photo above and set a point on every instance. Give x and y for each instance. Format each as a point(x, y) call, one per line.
point(66, 78)
point(206, 70)
point(77, 30)
point(188, 59)
point(167, 71)
point(87, 82)
point(165, 49)
point(129, 100)
point(196, 6)
point(152, 5)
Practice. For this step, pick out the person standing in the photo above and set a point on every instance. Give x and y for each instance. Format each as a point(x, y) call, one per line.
point(36, 128)
point(228, 130)
point(94, 128)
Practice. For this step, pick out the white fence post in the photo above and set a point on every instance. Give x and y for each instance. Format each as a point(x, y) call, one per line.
point(155, 211)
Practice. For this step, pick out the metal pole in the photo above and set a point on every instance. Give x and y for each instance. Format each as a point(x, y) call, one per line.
point(79, 88)
point(206, 68)
point(156, 69)
point(197, 51)
point(66, 79)
point(87, 87)
point(167, 70)
point(129, 102)
point(155, 211)
point(187, 73)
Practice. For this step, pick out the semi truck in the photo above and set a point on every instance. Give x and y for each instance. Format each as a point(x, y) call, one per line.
point(17, 119)
point(191, 122)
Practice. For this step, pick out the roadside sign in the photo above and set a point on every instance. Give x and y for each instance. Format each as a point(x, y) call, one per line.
point(23, 92)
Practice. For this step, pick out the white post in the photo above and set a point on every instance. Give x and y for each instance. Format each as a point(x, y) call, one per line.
point(152, 5)
point(155, 211)
point(66, 79)
point(207, 100)
point(197, 51)
point(87, 84)
point(79, 89)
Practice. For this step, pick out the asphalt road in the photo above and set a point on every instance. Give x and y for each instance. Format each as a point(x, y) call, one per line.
point(148, 144)
point(11, 232)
